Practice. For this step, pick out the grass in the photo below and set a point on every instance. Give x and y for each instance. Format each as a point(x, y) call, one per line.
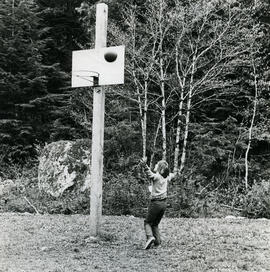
point(56, 243)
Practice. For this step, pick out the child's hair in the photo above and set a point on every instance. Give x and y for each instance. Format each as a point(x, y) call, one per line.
point(163, 168)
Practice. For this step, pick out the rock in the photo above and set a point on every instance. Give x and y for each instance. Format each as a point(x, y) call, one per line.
point(64, 164)
point(92, 239)
point(44, 248)
point(6, 187)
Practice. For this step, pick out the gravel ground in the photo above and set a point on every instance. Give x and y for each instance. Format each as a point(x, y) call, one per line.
point(56, 243)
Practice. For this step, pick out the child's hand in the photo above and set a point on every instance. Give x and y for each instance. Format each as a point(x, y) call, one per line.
point(144, 159)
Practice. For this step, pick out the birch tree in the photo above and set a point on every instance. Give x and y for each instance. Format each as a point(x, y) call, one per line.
point(143, 52)
point(254, 110)
point(252, 40)
point(149, 64)
point(160, 20)
point(202, 48)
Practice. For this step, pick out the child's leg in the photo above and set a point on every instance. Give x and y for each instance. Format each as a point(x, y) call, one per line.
point(156, 234)
point(161, 207)
point(150, 218)
point(148, 229)
point(156, 211)
point(149, 221)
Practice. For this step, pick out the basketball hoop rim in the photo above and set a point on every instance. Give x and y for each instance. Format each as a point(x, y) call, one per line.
point(78, 71)
point(95, 78)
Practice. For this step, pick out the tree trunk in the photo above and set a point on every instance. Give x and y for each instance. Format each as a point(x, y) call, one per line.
point(144, 129)
point(252, 122)
point(142, 104)
point(178, 134)
point(154, 143)
point(162, 78)
point(180, 114)
point(187, 121)
point(163, 112)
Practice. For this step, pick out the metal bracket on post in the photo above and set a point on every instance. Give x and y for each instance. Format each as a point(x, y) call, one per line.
point(95, 79)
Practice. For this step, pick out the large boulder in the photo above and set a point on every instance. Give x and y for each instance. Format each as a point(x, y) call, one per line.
point(64, 165)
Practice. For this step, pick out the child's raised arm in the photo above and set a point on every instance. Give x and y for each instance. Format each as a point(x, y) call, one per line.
point(147, 169)
point(174, 175)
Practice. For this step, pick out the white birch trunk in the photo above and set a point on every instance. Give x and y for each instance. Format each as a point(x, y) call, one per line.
point(154, 143)
point(142, 103)
point(184, 150)
point(178, 134)
point(144, 130)
point(187, 121)
point(163, 112)
point(251, 124)
point(162, 78)
point(180, 114)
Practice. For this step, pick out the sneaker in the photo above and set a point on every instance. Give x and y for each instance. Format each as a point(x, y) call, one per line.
point(149, 242)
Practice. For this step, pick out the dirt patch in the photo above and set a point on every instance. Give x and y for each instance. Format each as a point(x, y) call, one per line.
point(56, 243)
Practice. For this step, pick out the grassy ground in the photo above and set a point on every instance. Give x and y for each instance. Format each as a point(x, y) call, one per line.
point(55, 243)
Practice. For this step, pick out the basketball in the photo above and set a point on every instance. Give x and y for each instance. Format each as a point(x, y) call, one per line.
point(110, 56)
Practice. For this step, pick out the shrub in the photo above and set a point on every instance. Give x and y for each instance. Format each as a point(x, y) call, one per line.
point(124, 195)
point(24, 179)
point(257, 201)
point(187, 202)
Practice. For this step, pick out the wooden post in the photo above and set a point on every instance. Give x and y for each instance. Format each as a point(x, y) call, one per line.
point(98, 129)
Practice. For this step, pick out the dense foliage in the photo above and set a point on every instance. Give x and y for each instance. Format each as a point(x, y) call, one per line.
point(196, 93)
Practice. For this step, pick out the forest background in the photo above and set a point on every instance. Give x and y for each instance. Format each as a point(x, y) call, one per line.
point(196, 93)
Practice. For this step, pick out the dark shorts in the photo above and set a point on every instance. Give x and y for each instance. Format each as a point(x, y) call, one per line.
point(156, 210)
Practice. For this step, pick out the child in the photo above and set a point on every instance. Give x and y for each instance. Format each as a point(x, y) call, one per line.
point(158, 203)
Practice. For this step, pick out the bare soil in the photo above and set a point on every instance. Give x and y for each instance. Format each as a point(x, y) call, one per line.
point(56, 243)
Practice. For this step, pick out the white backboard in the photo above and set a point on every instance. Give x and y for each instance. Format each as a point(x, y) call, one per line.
point(92, 62)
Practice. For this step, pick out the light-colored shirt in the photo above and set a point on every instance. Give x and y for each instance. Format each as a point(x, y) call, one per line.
point(158, 183)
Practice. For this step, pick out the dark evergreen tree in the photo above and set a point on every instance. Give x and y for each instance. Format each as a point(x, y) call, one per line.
point(36, 44)
point(64, 34)
point(22, 75)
